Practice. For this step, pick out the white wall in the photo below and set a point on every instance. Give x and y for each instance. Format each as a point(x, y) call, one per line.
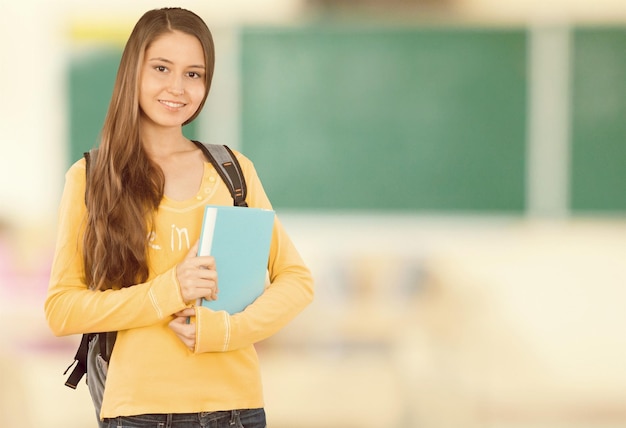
point(542, 10)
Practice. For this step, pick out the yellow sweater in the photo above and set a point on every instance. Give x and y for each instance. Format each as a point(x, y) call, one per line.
point(151, 370)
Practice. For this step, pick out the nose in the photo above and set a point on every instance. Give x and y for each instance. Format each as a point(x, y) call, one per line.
point(176, 86)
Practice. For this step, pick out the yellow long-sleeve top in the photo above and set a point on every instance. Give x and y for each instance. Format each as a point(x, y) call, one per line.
point(151, 370)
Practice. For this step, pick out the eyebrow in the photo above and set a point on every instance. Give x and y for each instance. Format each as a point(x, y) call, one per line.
point(171, 62)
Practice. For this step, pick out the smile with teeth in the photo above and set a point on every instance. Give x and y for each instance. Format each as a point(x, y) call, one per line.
point(172, 104)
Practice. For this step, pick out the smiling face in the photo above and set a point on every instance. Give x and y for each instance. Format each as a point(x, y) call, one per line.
point(172, 85)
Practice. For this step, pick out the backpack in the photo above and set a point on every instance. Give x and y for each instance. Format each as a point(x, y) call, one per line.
point(225, 163)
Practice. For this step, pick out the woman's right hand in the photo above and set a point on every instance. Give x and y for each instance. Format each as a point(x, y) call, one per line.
point(197, 276)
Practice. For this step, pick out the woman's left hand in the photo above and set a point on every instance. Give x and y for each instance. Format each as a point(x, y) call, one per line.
point(184, 330)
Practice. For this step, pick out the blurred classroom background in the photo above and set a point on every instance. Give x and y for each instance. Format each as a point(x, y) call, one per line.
point(453, 171)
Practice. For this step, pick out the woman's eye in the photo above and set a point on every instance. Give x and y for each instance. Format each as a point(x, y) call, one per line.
point(194, 75)
point(160, 68)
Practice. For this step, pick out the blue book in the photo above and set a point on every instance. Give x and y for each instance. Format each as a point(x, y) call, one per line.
point(239, 239)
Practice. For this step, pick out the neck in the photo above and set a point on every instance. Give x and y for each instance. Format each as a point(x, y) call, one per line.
point(163, 141)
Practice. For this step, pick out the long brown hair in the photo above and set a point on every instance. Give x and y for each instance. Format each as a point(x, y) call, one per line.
point(125, 185)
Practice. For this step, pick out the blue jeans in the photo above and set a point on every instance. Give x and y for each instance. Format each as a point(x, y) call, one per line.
point(248, 418)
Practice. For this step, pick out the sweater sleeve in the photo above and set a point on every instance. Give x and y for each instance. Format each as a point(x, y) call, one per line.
point(70, 306)
point(289, 292)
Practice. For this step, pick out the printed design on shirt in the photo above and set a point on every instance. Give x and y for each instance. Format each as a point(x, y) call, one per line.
point(179, 236)
point(151, 238)
point(179, 239)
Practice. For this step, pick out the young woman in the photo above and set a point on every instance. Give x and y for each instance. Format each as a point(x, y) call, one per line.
point(118, 266)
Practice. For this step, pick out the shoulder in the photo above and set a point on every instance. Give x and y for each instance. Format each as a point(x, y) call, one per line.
point(75, 178)
point(73, 199)
point(241, 158)
point(77, 170)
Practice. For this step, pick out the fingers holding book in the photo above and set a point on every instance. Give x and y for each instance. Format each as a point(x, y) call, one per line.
point(185, 330)
point(197, 277)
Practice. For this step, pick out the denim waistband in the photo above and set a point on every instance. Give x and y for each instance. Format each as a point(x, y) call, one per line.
point(169, 418)
point(229, 418)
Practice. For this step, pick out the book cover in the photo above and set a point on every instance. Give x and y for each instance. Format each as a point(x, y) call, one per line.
point(239, 239)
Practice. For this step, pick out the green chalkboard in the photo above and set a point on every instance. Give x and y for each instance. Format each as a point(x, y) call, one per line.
point(387, 118)
point(91, 76)
point(598, 164)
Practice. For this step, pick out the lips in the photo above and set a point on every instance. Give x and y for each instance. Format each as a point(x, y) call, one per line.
point(172, 104)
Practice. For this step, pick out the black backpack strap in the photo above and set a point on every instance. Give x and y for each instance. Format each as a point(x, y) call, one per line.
point(227, 166)
point(105, 342)
point(80, 359)
point(90, 158)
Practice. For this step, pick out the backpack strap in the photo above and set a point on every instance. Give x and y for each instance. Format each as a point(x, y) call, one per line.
point(90, 157)
point(225, 163)
point(80, 359)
